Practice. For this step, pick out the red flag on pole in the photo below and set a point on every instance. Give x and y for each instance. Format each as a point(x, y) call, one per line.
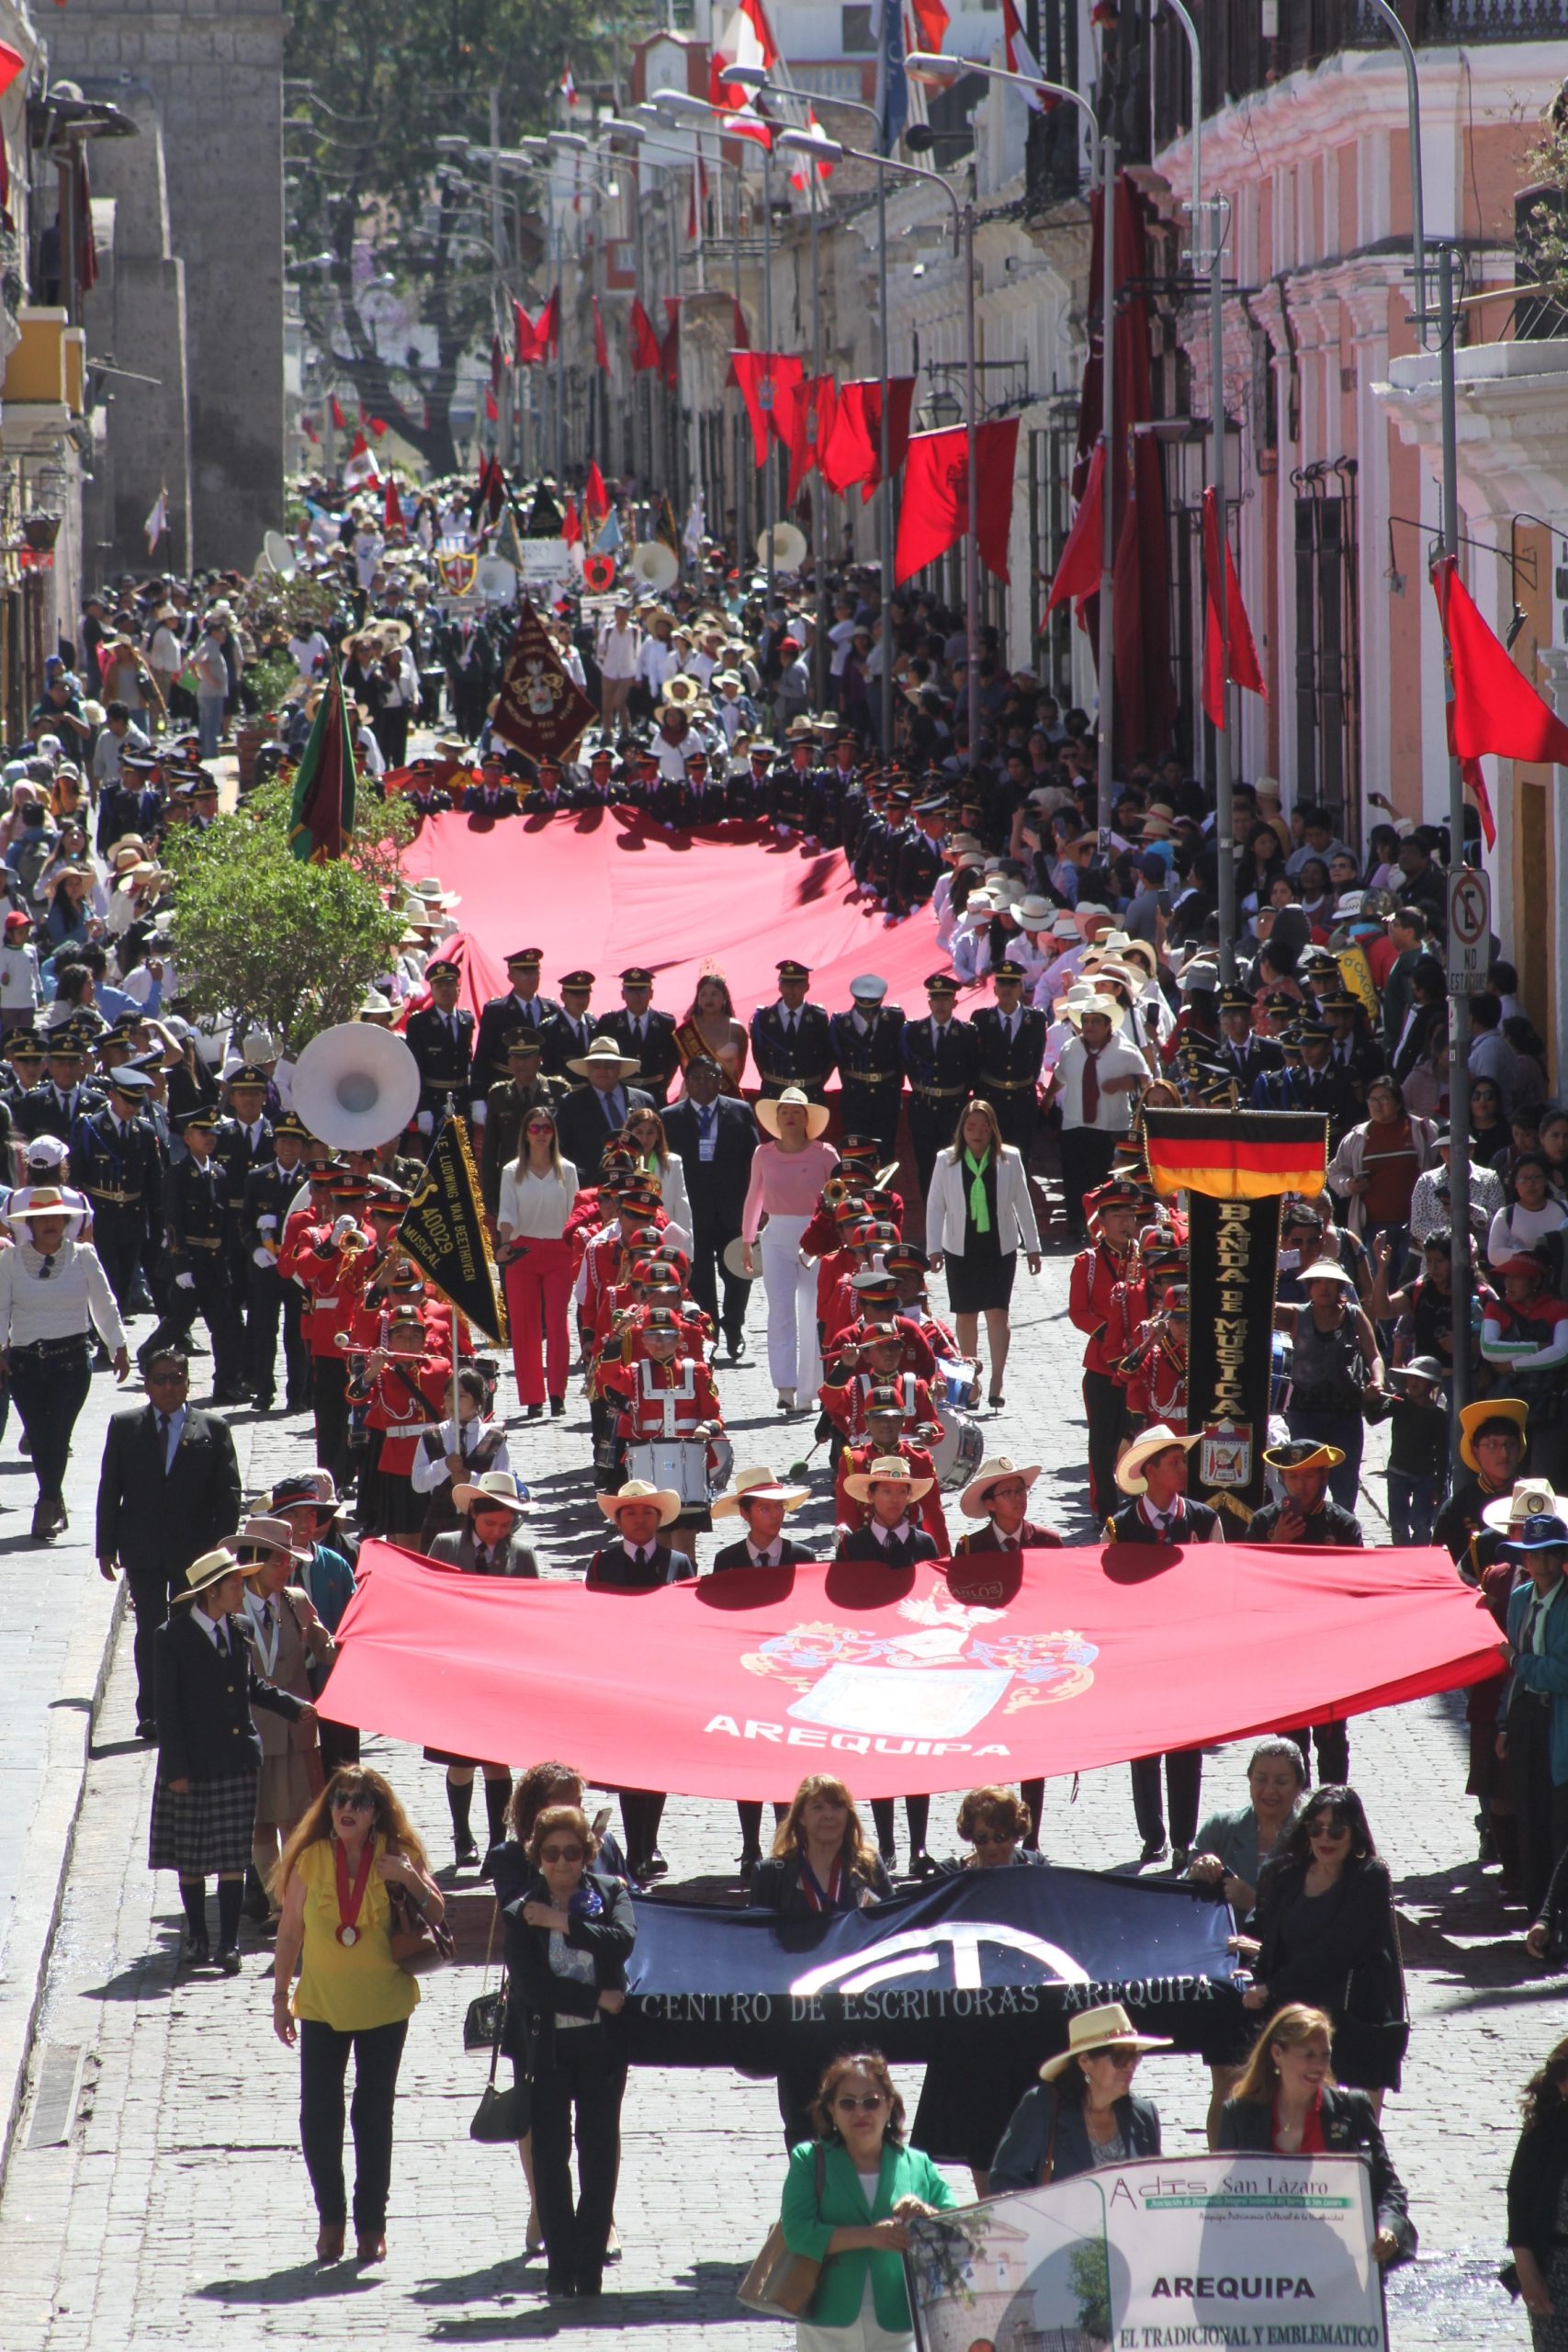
point(647, 358)
point(1078, 573)
point(763, 378)
point(1496, 708)
point(497, 362)
point(1231, 653)
point(548, 328)
point(492, 407)
point(338, 415)
point(805, 412)
point(595, 498)
point(528, 336)
point(935, 512)
point(392, 510)
point(601, 352)
point(571, 524)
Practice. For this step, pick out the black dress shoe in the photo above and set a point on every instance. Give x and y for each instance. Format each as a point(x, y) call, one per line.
point(1153, 1851)
point(750, 1858)
point(921, 1864)
point(145, 1728)
point(656, 1866)
point(255, 1905)
point(468, 1855)
point(736, 1344)
point(229, 1959)
point(196, 1952)
point(535, 1412)
point(557, 1406)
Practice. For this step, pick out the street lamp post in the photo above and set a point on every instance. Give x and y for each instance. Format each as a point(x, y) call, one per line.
point(929, 64)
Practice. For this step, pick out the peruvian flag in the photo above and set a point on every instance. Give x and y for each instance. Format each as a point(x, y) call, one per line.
point(601, 352)
point(935, 512)
point(1018, 57)
point(747, 42)
point(1228, 653)
point(568, 87)
point(361, 468)
point(798, 166)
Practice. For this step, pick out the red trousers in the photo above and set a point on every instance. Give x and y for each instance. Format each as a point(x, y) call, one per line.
point(539, 1305)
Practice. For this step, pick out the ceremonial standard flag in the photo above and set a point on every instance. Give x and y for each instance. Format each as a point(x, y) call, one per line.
point(445, 1232)
point(934, 514)
point(759, 375)
point(489, 491)
point(1235, 655)
point(544, 515)
point(664, 529)
point(157, 523)
point(392, 509)
point(541, 712)
point(1077, 574)
point(1236, 1154)
point(645, 355)
point(892, 90)
point(361, 468)
point(601, 352)
point(322, 816)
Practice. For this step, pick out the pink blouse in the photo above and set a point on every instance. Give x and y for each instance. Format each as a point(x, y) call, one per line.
point(785, 1183)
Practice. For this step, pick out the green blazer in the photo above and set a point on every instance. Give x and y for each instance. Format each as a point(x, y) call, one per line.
point(807, 2228)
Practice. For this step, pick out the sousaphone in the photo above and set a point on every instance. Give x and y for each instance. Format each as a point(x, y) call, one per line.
point(789, 547)
point(655, 565)
point(356, 1086)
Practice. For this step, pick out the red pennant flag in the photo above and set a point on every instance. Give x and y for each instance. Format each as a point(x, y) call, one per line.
point(601, 352)
point(849, 456)
point(1494, 706)
point(338, 415)
point(765, 378)
point(1235, 654)
point(645, 355)
point(549, 329)
point(492, 407)
point(392, 510)
point(528, 347)
point(1077, 574)
point(670, 349)
point(935, 512)
point(805, 418)
point(595, 498)
point(571, 525)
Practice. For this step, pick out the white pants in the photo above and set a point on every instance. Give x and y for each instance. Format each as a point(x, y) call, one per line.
point(793, 1359)
point(864, 2334)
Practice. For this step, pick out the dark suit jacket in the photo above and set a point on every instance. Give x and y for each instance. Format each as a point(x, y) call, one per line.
point(150, 1519)
point(1355, 1945)
point(716, 1189)
point(537, 1994)
point(656, 1053)
point(1350, 2128)
point(584, 1130)
point(205, 1730)
point(612, 1569)
point(499, 1018)
point(458, 1548)
point(863, 1546)
point(562, 1045)
point(735, 1555)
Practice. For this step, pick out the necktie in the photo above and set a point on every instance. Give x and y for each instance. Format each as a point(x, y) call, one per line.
point(1090, 1086)
point(266, 1616)
point(1532, 1619)
point(789, 1024)
point(705, 1120)
point(220, 1640)
point(641, 1557)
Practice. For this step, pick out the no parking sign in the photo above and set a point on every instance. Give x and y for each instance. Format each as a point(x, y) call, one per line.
point(1470, 930)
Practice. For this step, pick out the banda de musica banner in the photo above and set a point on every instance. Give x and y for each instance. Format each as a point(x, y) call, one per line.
point(1231, 2254)
point(937, 1677)
point(984, 1968)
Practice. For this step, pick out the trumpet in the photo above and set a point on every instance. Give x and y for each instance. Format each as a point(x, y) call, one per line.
point(354, 1245)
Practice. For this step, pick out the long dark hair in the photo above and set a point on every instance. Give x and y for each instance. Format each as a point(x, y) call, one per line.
point(1542, 2096)
point(1345, 1809)
point(388, 1821)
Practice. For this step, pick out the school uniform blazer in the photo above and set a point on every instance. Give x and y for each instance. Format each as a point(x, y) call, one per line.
point(205, 1730)
point(735, 1555)
point(947, 1205)
point(457, 1548)
point(1546, 1672)
point(809, 2223)
point(1350, 2128)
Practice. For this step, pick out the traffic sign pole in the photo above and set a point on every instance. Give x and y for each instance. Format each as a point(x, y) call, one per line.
point(1470, 931)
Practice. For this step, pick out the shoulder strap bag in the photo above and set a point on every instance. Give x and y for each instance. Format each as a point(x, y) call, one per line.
point(782, 2283)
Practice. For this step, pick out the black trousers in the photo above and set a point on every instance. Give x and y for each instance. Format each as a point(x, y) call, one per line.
point(1333, 1752)
point(710, 1275)
point(1086, 1155)
point(1105, 1409)
point(212, 1298)
point(329, 1402)
point(873, 1110)
point(392, 731)
point(1541, 1806)
point(149, 1588)
point(266, 1289)
point(929, 1133)
point(580, 2079)
point(1183, 1779)
point(51, 1387)
point(120, 1236)
point(323, 2063)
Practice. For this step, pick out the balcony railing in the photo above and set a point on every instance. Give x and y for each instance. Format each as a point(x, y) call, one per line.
point(1239, 58)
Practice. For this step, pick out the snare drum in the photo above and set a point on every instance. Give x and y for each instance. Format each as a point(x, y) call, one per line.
point(957, 1454)
point(680, 1463)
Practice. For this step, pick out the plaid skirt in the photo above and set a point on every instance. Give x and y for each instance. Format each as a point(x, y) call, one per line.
point(208, 1830)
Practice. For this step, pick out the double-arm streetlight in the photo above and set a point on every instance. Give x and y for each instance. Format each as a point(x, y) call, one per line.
point(929, 66)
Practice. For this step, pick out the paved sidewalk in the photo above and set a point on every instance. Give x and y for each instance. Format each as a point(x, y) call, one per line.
point(155, 2193)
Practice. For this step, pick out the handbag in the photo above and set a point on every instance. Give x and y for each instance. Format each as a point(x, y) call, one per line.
point(781, 2283)
point(500, 2115)
point(420, 1944)
point(482, 2018)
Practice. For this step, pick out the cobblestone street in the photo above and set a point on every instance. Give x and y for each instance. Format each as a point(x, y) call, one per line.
point(155, 2195)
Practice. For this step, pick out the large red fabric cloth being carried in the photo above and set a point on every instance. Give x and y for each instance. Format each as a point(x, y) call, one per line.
point(983, 1669)
point(605, 888)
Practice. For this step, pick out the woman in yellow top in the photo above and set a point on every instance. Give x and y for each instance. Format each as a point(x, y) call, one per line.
point(353, 1845)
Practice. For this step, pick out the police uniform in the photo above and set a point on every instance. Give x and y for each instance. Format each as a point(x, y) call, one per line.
point(266, 1201)
point(196, 1227)
point(564, 1038)
point(942, 1058)
point(120, 1167)
point(870, 1063)
point(505, 1108)
point(443, 1045)
point(502, 1017)
point(647, 1038)
point(919, 861)
point(792, 1046)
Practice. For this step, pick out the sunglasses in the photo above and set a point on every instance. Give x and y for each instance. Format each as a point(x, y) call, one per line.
point(1123, 2060)
point(994, 1837)
point(560, 1853)
point(363, 1802)
point(540, 1127)
point(850, 2105)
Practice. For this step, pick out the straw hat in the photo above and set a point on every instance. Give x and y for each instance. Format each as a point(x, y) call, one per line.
point(261, 1533)
point(638, 1490)
point(1326, 1270)
point(758, 1487)
point(973, 1501)
point(886, 1470)
point(1157, 1440)
point(604, 1053)
point(495, 1490)
point(1108, 2027)
point(211, 1568)
point(817, 1114)
point(1532, 1498)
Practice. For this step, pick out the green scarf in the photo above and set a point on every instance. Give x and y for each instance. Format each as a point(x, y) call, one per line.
point(979, 1213)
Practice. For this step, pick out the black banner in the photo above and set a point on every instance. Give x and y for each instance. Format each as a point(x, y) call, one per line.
point(981, 1966)
point(444, 1231)
point(1233, 1264)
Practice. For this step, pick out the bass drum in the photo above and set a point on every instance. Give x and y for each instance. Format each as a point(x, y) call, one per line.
point(961, 1449)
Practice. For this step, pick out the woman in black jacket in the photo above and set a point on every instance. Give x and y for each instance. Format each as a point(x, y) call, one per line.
point(1286, 2102)
point(1538, 2201)
point(1322, 1932)
point(1082, 2113)
point(568, 1931)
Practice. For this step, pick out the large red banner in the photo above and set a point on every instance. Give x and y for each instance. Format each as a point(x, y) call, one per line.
point(983, 1669)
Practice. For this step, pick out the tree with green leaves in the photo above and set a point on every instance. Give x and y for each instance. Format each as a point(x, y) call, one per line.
point(374, 89)
point(262, 937)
